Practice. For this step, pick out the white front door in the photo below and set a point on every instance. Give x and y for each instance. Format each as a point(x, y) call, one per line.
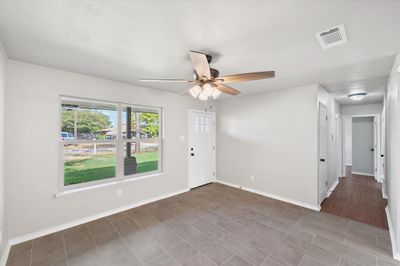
point(323, 151)
point(201, 148)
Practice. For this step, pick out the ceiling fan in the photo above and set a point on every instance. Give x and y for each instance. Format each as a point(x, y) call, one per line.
point(207, 82)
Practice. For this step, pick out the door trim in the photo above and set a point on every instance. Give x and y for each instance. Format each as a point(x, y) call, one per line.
point(377, 132)
point(320, 104)
point(188, 142)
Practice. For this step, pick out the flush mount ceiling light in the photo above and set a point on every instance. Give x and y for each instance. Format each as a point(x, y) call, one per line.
point(357, 96)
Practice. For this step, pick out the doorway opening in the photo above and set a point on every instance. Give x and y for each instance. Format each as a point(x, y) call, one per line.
point(362, 146)
point(358, 193)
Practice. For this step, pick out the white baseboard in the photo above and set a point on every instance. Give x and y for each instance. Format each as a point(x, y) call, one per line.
point(53, 229)
point(384, 195)
point(4, 254)
point(360, 173)
point(396, 255)
point(295, 202)
point(332, 188)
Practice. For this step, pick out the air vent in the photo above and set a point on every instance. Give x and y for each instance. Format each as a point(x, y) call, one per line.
point(332, 37)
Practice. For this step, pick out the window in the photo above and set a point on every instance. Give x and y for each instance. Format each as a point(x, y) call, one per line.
point(102, 141)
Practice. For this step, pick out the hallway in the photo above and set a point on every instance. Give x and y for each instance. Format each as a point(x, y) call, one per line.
point(358, 198)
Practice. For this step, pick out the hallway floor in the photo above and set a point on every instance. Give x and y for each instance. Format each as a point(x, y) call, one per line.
point(358, 198)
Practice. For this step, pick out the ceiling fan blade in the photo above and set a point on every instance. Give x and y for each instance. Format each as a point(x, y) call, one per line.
point(200, 64)
point(226, 89)
point(166, 80)
point(246, 77)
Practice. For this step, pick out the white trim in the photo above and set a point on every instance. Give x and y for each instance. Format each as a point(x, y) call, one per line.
point(321, 104)
point(396, 255)
point(332, 188)
point(360, 173)
point(384, 195)
point(266, 194)
point(378, 142)
point(53, 229)
point(73, 191)
point(118, 142)
point(5, 253)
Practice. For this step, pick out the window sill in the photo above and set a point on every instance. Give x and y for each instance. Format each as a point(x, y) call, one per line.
point(74, 191)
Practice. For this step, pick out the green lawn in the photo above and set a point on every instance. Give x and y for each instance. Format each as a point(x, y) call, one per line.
point(103, 166)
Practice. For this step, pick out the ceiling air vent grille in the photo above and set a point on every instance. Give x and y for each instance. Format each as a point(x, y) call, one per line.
point(332, 37)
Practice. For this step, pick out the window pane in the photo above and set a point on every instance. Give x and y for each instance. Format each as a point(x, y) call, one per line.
point(140, 157)
point(148, 126)
point(88, 162)
point(67, 124)
point(88, 120)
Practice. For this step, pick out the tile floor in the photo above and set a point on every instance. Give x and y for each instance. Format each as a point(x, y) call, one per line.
point(212, 225)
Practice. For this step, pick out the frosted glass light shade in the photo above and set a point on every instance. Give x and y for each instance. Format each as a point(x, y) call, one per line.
point(208, 89)
point(195, 91)
point(216, 93)
point(202, 96)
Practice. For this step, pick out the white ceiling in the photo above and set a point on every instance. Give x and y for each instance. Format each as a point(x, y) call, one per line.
point(126, 40)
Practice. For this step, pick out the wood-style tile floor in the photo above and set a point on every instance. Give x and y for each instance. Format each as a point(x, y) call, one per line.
point(212, 225)
point(358, 198)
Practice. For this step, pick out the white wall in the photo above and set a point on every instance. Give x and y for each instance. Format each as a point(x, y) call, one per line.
point(3, 63)
point(272, 136)
point(32, 147)
point(362, 109)
point(363, 141)
point(333, 160)
point(392, 108)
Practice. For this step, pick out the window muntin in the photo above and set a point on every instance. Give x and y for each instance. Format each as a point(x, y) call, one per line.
point(103, 141)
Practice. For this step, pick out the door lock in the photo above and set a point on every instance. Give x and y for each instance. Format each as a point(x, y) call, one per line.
point(322, 160)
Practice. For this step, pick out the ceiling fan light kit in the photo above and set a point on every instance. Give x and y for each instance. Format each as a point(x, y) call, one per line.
point(207, 81)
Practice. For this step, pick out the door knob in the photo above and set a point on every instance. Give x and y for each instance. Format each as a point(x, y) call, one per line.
point(322, 160)
point(192, 154)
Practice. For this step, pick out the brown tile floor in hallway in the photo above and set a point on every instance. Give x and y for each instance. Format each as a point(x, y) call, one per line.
point(358, 198)
point(212, 225)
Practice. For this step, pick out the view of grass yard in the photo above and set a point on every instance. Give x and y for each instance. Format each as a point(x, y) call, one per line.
point(102, 165)
point(89, 133)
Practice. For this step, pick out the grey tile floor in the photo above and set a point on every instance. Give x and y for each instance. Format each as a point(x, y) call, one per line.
point(212, 225)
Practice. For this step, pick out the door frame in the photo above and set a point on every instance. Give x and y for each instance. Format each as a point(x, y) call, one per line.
point(188, 144)
point(377, 131)
point(320, 104)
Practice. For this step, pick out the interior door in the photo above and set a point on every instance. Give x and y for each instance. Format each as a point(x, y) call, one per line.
point(377, 149)
point(363, 146)
point(201, 145)
point(382, 153)
point(323, 151)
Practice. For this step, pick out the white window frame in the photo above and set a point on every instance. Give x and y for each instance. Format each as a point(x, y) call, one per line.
point(119, 144)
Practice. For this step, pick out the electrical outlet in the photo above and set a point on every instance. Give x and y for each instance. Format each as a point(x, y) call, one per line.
point(119, 193)
point(252, 177)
